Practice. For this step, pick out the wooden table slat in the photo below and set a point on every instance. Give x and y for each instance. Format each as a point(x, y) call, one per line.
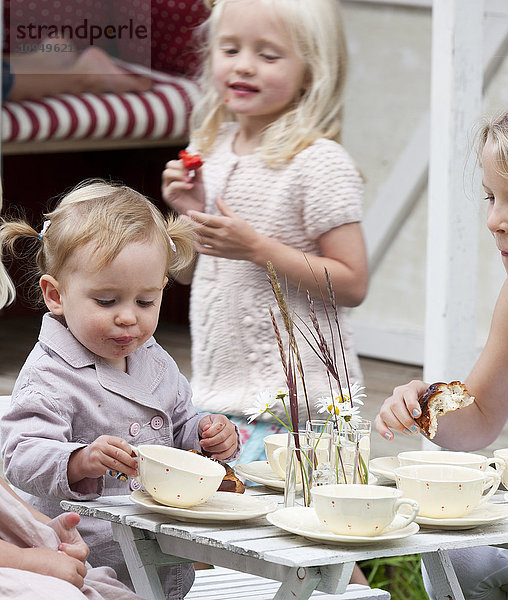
point(257, 547)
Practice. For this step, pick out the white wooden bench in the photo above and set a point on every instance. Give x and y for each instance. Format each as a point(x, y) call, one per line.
point(225, 584)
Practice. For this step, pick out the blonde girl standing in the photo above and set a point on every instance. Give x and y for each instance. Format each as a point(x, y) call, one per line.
point(276, 185)
point(97, 381)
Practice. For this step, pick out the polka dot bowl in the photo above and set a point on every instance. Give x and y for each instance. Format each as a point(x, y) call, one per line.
point(175, 477)
point(361, 510)
point(446, 491)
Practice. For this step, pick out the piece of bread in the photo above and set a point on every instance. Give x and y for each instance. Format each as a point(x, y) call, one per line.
point(230, 482)
point(439, 399)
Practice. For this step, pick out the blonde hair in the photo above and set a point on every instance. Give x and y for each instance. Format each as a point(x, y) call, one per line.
point(7, 290)
point(316, 29)
point(107, 216)
point(496, 129)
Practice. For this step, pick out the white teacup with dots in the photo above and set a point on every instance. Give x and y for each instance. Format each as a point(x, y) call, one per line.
point(361, 510)
point(177, 477)
point(449, 457)
point(446, 491)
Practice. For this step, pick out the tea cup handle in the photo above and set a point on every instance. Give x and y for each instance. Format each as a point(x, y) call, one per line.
point(499, 463)
point(492, 480)
point(122, 476)
point(280, 456)
point(135, 450)
point(415, 507)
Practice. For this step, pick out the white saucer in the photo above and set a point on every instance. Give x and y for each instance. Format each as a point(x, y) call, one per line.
point(259, 471)
point(222, 506)
point(384, 466)
point(304, 521)
point(482, 515)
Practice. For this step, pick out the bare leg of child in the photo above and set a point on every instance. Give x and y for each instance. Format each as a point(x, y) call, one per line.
point(358, 576)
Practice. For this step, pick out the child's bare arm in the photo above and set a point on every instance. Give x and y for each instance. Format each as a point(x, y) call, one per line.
point(474, 426)
point(35, 513)
point(43, 561)
point(343, 254)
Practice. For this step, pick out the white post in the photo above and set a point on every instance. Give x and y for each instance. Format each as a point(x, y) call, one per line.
point(452, 244)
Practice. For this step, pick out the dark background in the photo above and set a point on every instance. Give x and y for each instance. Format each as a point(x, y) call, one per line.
point(34, 183)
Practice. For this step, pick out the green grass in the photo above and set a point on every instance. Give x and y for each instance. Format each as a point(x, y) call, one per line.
point(399, 575)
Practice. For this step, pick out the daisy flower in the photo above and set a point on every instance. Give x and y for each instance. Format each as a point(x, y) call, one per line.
point(264, 402)
point(351, 416)
point(340, 409)
point(356, 394)
point(281, 394)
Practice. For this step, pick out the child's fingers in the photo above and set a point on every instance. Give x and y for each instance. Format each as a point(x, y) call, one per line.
point(220, 442)
point(399, 411)
point(177, 186)
point(396, 418)
point(219, 438)
point(206, 219)
point(408, 395)
point(67, 520)
point(119, 469)
point(174, 175)
point(383, 429)
point(173, 165)
point(221, 450)
point(215, 430)
point(77, 551)
point(122, 460)
point(222, 455)
point(174, 172)
point(116, 454)
point(219, 426)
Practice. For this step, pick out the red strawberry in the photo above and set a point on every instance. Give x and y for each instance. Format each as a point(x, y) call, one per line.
point(190, 161)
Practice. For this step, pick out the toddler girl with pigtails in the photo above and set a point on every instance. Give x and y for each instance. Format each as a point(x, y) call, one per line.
point(97, 380)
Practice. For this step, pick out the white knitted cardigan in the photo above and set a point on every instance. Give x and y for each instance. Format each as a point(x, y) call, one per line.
point(234, 350)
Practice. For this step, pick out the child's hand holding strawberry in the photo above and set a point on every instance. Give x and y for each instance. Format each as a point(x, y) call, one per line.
point(182, 183)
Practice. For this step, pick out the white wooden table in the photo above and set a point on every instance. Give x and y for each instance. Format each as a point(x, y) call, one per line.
point(149, 540)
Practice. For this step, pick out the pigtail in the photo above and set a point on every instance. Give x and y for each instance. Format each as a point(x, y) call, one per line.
point(7, 289)
point(182, 235)
point(10, 232)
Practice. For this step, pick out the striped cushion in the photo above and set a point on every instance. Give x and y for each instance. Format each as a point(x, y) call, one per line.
point(160, 113)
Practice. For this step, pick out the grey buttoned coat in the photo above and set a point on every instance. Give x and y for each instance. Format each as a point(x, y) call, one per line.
point(64, 398)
